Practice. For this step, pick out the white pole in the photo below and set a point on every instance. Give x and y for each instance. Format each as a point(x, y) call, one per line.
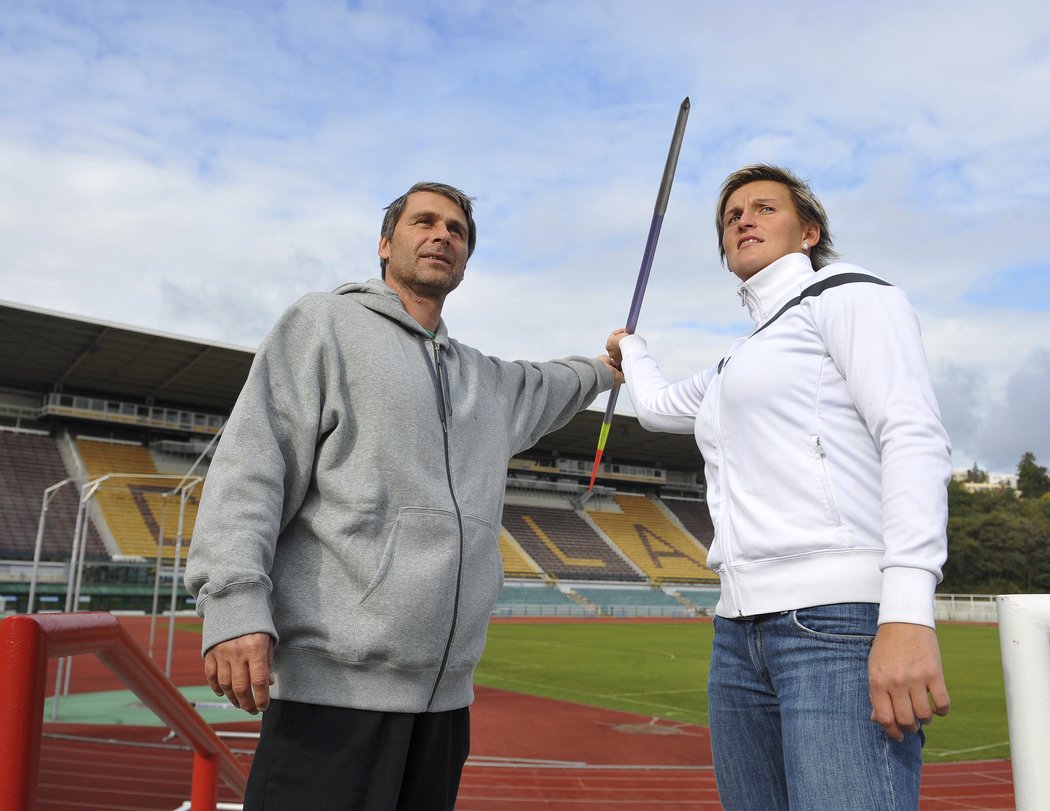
point(183, 488)
point(187, 488)
point(156, 573)
point(84, 529)
point(66, 663)
point(1024, 638)
point(75, 552)
point(49, 493)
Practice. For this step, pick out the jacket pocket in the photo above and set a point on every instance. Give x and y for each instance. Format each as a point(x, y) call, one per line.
point(825, 491)
point(405, 614)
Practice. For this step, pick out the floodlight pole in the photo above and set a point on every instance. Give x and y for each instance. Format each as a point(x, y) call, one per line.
point(156, 572)
point(49, 494)
point(184, 494)
point(65, 665)
point(77, 560)
point(183, 490)
point(84, 529)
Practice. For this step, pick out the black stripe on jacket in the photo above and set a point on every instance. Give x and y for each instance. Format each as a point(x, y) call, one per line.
point(814, 290)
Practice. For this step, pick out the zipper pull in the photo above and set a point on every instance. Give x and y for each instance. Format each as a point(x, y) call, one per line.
point(443, 378)
point(441, 383)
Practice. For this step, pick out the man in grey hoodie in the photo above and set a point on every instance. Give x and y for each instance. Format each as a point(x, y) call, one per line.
point(345, 555)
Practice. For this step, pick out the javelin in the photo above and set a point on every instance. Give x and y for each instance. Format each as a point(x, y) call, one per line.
point(643, 272)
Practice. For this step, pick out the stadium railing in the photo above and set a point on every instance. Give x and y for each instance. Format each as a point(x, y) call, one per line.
point(26, 644)
point(964, 608)
point(1024, 639)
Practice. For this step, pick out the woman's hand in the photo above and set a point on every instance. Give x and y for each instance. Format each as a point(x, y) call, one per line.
point(906, 679)
point(612, 345)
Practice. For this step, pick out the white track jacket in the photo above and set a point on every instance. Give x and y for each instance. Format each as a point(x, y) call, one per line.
point(825, 458)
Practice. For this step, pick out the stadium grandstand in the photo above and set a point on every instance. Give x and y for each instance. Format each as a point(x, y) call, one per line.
point(105, 435)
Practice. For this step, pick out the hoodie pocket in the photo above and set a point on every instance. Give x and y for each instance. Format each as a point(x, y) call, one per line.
point(405, 614)
point(482, 583)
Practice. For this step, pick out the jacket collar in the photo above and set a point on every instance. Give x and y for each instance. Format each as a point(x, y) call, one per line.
point(768, 288)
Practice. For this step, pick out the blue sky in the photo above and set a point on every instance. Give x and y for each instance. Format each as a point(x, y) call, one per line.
point(194, 167)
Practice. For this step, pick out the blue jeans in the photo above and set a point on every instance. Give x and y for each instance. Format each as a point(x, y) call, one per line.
point(790, 716)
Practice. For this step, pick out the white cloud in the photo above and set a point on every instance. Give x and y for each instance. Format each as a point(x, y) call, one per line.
point(1017, 420)
point(195, 167)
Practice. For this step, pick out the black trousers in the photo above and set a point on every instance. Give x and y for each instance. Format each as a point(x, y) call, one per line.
point(337, 759)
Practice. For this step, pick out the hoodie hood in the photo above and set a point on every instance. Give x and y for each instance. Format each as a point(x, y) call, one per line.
point(376, 296)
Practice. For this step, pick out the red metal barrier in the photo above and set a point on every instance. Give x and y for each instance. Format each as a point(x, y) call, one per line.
point(28, 641)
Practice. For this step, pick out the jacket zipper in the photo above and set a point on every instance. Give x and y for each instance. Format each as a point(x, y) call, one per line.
point(726, 569)
point(440, 375)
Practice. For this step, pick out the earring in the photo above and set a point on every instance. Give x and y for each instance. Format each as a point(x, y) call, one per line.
point(805, 246)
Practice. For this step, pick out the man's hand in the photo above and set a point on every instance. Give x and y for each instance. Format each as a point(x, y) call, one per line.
point(617, 374)
point(905, 678)
point(242, 670)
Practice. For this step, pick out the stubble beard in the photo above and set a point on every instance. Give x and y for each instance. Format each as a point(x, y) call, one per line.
point(424, 284)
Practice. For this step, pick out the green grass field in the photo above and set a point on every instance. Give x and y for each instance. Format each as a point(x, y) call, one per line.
point(660, 669)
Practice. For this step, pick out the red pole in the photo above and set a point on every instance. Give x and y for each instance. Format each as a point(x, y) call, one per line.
point(26, 643)
point(23, 670)
point(204, 792)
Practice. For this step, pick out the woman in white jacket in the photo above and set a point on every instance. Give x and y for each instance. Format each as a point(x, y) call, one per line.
point(827, 467)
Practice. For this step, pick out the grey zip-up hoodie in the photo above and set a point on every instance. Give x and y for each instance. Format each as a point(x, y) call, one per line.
point(352, 509)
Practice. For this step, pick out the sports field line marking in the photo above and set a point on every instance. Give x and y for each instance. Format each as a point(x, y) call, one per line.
point(513, 663)
point(681, 726)
point(213, 705)
point(949, 752)
point(525, 763)
point(661, 692)
point(593, 767)
point(517, 665)
point(668, 654)
point(512, 681)
point(492, 760)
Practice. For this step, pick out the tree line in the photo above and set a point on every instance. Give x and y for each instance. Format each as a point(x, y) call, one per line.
point(999, 540)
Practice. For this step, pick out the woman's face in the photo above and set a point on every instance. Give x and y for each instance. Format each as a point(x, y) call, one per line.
point(762, 225)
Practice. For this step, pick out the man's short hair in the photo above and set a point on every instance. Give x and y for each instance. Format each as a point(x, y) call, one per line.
point(806, 203)
point(397, 208)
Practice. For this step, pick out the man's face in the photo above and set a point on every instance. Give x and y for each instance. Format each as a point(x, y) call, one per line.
point(428, 251)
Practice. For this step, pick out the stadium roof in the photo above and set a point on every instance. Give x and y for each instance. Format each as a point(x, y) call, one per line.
point(47, 351)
